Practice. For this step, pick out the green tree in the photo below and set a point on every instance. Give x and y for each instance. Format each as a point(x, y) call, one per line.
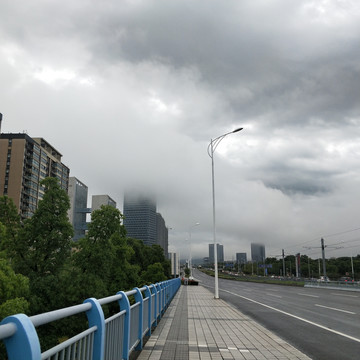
point(144, 255)
point(44, 243)
point(42, 247)
point(10, 218)
point(14, 291)
point(124, 275)
point(101, 257)
point(95, 250)
point(154, 273)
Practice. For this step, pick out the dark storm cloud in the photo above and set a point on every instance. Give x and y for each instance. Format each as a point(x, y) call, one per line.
point(292, 180)
point(154, 81)
point(304, 74)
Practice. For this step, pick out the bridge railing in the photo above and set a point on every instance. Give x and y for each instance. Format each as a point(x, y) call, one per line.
point(112, 338)
point(335, 285)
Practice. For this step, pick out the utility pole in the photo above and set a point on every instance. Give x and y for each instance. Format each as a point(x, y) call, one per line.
point(323, 256)
point(283, 257)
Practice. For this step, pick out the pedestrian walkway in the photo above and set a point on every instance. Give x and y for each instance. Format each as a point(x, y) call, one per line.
point(198, 327)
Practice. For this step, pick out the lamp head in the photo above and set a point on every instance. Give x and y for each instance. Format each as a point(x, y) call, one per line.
point(236, 130)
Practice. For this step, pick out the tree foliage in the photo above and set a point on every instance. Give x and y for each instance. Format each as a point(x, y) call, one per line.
point(10, 219)
point(44, 243)
point(100, 264)
point(14, 291)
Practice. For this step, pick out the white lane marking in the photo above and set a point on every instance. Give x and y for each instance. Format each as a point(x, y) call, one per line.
point(315, 296)
point(354, 296)
point(331, 308)
point(274, 295)
point(294, 316)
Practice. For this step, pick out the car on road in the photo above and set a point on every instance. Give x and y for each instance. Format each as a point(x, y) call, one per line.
point(323, 279)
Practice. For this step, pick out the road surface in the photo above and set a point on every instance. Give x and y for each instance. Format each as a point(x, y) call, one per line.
point(322, 323)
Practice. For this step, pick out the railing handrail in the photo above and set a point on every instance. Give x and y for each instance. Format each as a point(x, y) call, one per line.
point(45, 318)
point(7, 330)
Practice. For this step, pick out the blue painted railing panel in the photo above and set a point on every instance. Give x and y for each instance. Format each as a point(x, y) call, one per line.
point(112, 338)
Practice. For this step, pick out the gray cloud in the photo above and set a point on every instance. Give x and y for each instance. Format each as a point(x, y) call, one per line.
point(132, 93)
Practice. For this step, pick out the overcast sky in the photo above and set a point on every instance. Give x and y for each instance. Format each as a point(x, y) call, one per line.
point(131, 93)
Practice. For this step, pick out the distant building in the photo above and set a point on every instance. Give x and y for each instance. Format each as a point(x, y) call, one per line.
point(24, 162)
point(258, 252)
point(140, 218)
point(175, 264)
point(220, 253)
point(98, 200)
point(78, 194)
point(241, 258)
point(162, 234)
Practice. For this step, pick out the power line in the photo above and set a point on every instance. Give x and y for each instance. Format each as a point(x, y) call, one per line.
point(342, 242)
point(325, 236)
point(342, 232)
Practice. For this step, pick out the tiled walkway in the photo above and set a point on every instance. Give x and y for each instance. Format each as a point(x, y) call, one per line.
point(198, 327)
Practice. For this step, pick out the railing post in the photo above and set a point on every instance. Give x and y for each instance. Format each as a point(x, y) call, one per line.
point(149, 320)
point(162, 287)
point(125, 305)
point(24, 344)
point(96, 318)
point(168, 291)
point(139, 299)
point(158, 291)
point(165, 284)
point(153, 286)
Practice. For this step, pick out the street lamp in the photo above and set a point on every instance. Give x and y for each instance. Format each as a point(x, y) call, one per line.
point(211, 149)
point(190, 258)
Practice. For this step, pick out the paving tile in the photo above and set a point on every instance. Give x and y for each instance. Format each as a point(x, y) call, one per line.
point(198, 327)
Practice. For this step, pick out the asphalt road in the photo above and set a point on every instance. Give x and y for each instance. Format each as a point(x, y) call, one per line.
point(322, 323)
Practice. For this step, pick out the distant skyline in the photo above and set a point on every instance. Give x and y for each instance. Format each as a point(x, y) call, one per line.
point(131, 93)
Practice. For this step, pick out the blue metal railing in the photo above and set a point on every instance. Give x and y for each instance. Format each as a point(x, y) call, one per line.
point(111, 338)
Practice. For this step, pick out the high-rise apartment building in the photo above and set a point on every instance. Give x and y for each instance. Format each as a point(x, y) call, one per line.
point(162, 234)
point(140, 217)
point(258, 252)
point(241, 258)
point(24, 162)
point(220, 253)
point(98, 200)
point(78, 194)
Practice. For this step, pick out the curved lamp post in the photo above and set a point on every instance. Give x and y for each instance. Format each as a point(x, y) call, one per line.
point(190, 258)
point(211, 149)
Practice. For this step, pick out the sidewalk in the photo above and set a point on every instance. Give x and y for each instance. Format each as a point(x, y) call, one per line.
point(198, 327)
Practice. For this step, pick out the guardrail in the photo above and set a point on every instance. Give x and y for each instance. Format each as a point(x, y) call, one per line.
point(111, 338)
point(336, 285)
